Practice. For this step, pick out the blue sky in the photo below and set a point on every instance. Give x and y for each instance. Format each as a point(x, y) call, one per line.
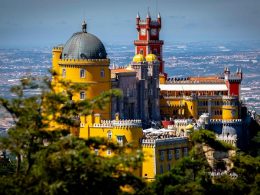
point(33, 23)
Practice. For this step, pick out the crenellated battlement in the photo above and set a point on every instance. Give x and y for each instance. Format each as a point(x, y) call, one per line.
point(226, 122)
point(101, 62)
point(230, 139)
point(119, 123)
point(84, 60)
point(163, 141)
point(57, 48)
point(182, 121)
point(129, 123)
point(228, 97)
point(226, 137)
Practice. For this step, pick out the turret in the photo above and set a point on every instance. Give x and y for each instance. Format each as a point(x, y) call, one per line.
point(159, 20)
point(226, 73)
point(137, 21)
point(148, 20)
point(240, 74)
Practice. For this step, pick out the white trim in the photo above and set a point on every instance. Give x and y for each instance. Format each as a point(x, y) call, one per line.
point(193, 87)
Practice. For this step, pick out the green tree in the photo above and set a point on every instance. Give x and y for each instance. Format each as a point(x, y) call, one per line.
point(57, 162)
point(191, 174)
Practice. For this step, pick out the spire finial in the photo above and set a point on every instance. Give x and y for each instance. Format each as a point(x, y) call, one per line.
point(148, 13)
point(137, 16)
point(84, 26)
point(159, 15)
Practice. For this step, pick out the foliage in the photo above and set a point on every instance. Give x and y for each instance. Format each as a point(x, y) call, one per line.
point(57, 162)
point(191, 174)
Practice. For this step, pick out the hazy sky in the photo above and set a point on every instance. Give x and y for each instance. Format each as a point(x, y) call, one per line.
point(32, 23)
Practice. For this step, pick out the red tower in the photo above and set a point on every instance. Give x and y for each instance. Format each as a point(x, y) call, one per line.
point(148, 38)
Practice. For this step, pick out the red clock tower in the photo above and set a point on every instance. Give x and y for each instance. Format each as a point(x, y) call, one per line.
point(148, 38)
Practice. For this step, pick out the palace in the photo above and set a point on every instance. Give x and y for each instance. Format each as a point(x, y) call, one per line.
point(149, 97)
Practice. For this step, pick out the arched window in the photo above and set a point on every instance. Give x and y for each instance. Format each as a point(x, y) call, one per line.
point(82, 95)
point(109, 135)
point(82, 73)
point(102, 73)
point(64, 73)
point(161, 169)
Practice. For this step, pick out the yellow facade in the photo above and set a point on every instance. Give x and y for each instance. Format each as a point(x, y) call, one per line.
point(187, 107)
point(93, 72)
point(77, 65)
point(162, 154)
point(129, 130)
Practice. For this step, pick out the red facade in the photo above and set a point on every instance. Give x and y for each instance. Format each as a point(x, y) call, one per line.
point(148, 38)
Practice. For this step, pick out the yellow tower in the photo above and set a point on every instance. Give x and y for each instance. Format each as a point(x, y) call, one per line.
point(229, 108)
point(83, 59)
point(191, 107)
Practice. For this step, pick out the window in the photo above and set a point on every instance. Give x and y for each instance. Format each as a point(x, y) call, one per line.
point(102, 73)
point(185, 151)
point(161, 155)
point(64, 73)
point(109, 135)
point(191, 107)
point(82, 124)
point(82, 73)
point(169, 154)
point(161, 169)
point(141, 51)
point(82, 95)
point(169, 167)
point(108, 152)
point(177, 153)
point(127, 92)
point(120, 140)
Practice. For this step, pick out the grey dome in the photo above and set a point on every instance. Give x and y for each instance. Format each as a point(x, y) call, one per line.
point(229, 130)
point(83, 45)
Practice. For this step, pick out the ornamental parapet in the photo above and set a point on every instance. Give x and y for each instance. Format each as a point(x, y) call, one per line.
point(148, 42)
point(226, 122)
point(102, 125)
point(227, 97)
point(226, 137)
point(164, 141)
point(84, 61)
point(186, 80)
point(130, 123)
point(58, 48)
point(182, 121)
point(119, 123)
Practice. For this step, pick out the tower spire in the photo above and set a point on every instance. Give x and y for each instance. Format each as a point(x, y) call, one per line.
point(159, 15)
point(84, 26)
point(148, 13)
point(138, 16)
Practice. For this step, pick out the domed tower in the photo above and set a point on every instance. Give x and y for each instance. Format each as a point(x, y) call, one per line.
point(83, 59)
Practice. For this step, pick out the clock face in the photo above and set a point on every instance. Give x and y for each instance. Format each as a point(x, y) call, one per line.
point(143, 31)
point(153, 31)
